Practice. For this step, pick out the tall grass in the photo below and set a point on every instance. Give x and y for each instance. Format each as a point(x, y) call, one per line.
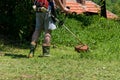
point(100, 34)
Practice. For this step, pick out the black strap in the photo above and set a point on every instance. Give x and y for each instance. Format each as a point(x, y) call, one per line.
point(48, 0)
point(53, 11)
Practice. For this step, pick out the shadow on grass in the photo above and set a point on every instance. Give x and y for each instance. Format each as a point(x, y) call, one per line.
point(16, 56)
point(6, 40)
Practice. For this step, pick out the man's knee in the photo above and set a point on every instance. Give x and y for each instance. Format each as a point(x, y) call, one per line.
point(48, 35)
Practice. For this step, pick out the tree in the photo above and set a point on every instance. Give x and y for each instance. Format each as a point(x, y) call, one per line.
point(17, 18)
point(103, 8)
point(82, 1)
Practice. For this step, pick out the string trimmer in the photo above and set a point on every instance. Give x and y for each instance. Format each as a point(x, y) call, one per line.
point(81, 47)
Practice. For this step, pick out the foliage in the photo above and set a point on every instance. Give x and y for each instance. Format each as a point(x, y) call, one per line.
point(101, 62)
point(111, 5)
point(16, 18)
point(100, 33)
point(80, 26)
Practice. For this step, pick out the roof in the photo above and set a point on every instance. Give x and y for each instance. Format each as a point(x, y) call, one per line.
point(89, 6)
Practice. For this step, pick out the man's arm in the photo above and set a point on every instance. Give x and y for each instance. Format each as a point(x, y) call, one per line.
point(61, 4)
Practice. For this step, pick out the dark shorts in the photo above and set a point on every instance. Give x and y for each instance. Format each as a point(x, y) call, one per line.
point(43, 20)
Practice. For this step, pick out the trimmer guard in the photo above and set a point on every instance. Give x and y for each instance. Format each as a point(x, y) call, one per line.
point(81, 48)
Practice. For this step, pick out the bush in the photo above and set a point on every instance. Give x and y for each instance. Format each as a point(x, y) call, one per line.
point(16, 18)
point(94, 31)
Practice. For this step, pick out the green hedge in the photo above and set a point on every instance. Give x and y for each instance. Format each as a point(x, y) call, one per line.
point(16, 18)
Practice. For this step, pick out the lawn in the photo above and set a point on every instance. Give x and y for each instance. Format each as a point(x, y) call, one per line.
point(64, 64)
point(101, 62)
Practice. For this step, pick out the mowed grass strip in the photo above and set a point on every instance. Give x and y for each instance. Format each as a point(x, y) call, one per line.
point(101, 62)
point(64, 64)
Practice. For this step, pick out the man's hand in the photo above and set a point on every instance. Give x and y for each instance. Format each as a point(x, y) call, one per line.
point(67, 10)
point(61, 5)
point(34, 7)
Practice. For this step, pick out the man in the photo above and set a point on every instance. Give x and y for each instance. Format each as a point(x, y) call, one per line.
point(61, 4)
point(43, 22)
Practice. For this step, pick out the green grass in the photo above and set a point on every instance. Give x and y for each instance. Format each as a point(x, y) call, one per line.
point(64, 64)
point(101, 62)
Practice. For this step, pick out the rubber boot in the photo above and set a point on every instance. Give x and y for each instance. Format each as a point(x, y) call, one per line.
point(32, 50)
point(46, 51)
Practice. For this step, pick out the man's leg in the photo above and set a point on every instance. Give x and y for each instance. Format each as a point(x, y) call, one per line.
point(46, 43)
point(36, 34)
point(33, 45)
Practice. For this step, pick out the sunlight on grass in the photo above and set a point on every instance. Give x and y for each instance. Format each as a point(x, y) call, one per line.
point(64, 63)
point(101, 62)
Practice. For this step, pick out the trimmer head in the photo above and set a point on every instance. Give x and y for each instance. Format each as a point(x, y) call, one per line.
point(81, 48)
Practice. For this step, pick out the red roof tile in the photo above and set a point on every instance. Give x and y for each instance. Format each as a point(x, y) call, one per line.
point(75, 7)
point(88, 7)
